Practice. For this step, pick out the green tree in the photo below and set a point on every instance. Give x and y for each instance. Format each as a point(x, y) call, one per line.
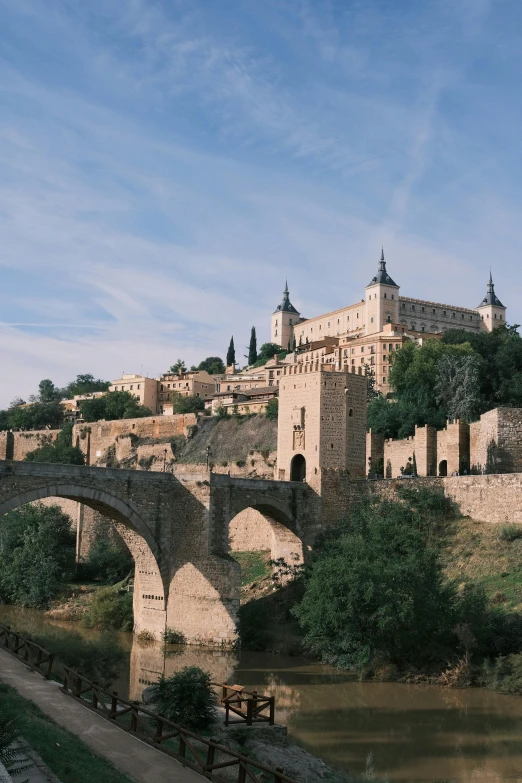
point(457, 389)
point(85, 384)
point(212, 364)
point(48, 392)
point(107, 562)
point(231, 353)
point(252, 348)
point(267, 352)
point(187, 698)
point(37, 550)
point(272, 409)
point(114, 405)
point(39, 415)
point(179, 367)
point(190, 404)
point(375, 591)
point(60, 450)
point(371, 389)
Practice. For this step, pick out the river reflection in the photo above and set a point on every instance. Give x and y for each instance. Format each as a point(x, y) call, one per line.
point(414, 733)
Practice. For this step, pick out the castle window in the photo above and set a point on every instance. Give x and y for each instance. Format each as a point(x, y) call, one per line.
point(422, 309)
point(500, 317)
point(422, 328)
point(328, 323)
point(413, 308)
point(462, 316)
point(453, 315)
point(290, 322)
point(371, 320)
point(357, 315)
point(434, 311)
point(353, 361)
point(445, 313)
point(385, 296)
point(138, 386)
point(495, 317)
point(362, 348)
point(319, 328)
point(471, 318)
point(388, 319)
point(393, 297)
point(403, 306)
point(384, 379)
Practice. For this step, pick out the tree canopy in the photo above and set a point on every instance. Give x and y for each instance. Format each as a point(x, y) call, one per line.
point(190, 404)
point(37, 550)
point(212, 364)
point(460, 376)
point(267, 352)
point(179, 367)
point(37, 416)
point(85, 384)
point(60, 450)
point(375, 590)
point(114, 405)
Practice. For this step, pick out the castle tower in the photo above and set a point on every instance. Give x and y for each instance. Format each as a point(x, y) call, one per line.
point(382, 300)
point(491, 309)
point(321, 423)
point(284, 318)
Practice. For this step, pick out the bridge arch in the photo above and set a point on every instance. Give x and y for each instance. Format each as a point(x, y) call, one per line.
point(151, 581)
point(265, 523)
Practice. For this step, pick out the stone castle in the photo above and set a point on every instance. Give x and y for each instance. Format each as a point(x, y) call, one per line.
point(366, 333)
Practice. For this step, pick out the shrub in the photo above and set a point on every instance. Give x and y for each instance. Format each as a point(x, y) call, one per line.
point(272, 409)
point(186, 698)
point(37, 550)
point(60, 450)
point(190, 404)
point(240, 463)
point(503, 674)
point(177, 444)
point(97, 659)
point(107, 563)
point(375, 590)
point(510, 532)
point(170, 636)
point(221, 412)
point(110, 609)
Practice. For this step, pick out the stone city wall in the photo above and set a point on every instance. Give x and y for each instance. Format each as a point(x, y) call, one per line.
point(453, 449)
point(16, 445)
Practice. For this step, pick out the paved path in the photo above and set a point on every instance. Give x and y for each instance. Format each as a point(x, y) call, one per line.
point(136, 759)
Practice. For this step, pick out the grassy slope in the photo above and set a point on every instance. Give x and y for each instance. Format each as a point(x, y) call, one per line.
point(67, 756)
point(254, 566)
point(475, 552)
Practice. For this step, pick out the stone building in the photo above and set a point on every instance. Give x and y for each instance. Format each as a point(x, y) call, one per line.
point(197, 383)
point(365, 333)
point(322, 423)
point(144, 389)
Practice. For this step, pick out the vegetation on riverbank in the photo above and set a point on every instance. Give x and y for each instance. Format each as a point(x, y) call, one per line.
point(71, 760)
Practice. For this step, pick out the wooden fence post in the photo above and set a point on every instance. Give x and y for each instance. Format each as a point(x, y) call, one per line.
point(114, 704)
point(278, 775)
point(272, 710)
point(134, 718)
point(249, 711)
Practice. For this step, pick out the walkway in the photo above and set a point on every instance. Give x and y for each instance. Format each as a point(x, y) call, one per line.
point(136, 759)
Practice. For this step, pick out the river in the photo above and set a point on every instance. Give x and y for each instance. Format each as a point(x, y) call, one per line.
point(413, 733)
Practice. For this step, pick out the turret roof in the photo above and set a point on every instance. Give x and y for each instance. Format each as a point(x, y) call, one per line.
point(382, 275)
point(491, 298)
point(286, 306)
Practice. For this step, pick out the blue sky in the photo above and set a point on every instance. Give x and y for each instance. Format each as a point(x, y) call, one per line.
point(165, 165)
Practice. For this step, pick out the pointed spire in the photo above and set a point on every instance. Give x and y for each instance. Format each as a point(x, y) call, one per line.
point(382, 252)
point(382, 275)
point(491, 298)
point(286, 292)
point(286, 304)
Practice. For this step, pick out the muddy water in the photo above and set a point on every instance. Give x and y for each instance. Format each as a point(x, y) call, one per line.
point(412, 733)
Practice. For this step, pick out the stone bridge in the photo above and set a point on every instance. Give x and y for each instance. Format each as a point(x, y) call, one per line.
point(177, 527)
point(177, 531)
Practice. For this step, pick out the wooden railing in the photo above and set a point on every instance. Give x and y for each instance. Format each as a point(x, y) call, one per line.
point(248, 706)
point(203, 755)
point(32, 654)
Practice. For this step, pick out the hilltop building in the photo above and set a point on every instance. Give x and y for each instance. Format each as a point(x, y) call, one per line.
point(367, 332)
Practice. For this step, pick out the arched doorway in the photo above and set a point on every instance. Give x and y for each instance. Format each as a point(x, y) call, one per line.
point(443, 467)
point(298, 468)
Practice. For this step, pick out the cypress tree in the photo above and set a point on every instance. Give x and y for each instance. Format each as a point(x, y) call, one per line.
point(231, 353)
point(252, 348)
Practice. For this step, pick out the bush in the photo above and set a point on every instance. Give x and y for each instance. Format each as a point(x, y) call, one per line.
point(107, 563)
point(503, 674)
point(170, 636)
point(37, 551)
point(375, 590)
point(110, 609)
point(97, 659)
point(190, 404)
point(186, 698)
point(59, 451)
point(272, 409)
point(221, 412)
point(510, 532)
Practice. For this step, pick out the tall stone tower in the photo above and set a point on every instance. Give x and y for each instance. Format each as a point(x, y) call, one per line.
point(491, 309)
point(322, 423)
point(284, 318)
point(382, 300)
